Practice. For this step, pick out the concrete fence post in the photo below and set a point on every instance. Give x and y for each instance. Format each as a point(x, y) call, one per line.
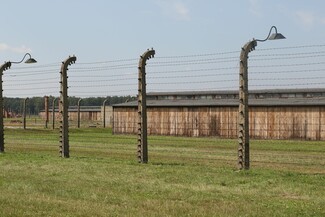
point(53, 113)
point(142, 107)
point(64, 105)
point(243, 114)
point(78, 113)
point(104, 113)
point(24, 113)
point(46, 105)
point(3, 68)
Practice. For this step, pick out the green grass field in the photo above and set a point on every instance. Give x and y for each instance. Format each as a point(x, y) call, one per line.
point(184, 176)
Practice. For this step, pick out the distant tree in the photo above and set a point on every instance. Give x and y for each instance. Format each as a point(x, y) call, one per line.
point(36, 104)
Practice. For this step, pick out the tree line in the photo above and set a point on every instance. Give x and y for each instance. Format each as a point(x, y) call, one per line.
point(35, 104)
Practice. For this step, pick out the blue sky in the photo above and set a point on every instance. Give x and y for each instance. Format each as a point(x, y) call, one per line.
point(104, 29)
point(101, 30)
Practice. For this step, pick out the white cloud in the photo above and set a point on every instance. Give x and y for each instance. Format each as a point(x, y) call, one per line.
point(305, 18)
point(255, 7)
point(175, 9)
point(181, 10)
point(3, 47)
point(21, 49)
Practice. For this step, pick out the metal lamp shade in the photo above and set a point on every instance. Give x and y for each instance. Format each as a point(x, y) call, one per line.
point(276, 36)
point(31, 60)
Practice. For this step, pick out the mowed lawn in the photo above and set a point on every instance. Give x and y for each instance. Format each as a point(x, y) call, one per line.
point(184, 176)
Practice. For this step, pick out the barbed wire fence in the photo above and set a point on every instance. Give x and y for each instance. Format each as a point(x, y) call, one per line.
point(179, 78)
point(104, 79)
point(30, 84)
